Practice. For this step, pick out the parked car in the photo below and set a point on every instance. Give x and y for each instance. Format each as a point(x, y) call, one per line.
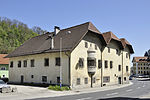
point(130, 78)
point(4, 87)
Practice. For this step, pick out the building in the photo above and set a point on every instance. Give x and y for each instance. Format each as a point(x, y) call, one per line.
point(141, 65)
point(4, 64)
point(81, 55)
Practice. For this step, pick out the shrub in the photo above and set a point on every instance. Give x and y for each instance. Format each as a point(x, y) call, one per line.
point(57, 88)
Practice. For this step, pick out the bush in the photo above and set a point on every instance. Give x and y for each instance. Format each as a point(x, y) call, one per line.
point(57, 88)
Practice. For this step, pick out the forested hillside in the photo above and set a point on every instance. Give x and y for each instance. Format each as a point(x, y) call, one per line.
point(14, 33)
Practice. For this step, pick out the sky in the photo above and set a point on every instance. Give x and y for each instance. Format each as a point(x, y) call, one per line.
point(128, 19)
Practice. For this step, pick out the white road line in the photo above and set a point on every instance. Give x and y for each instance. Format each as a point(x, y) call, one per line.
point(139, 87)
point(112, 94)
point(129, 90)
point(143, 85)
point(84, 98)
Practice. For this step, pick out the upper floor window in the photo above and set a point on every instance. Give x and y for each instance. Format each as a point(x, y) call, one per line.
point(108, 49)
point(86, 45)
point(99, 63)
point(127, 55)
point(32, 63)
point(81, 62)
point(19, 63)
point(111, 64)
point(91, 63)
point(46, 62)
point(57, 61)
point(25, 63)
point(11, 64)
point(127, 68)
point(95, 47)
point(119, 68)
point(106, 64)
point(3, 68)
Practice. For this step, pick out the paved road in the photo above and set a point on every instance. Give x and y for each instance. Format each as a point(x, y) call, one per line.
point(133, 92)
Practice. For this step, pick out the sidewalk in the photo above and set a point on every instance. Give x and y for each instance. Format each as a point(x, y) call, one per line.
point(28, 92)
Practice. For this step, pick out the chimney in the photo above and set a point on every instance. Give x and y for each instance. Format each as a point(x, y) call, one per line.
point(51, 37)
point(56, 30)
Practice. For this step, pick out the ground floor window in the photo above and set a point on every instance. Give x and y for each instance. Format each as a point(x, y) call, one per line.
point(125, 79)
point(94, 80)
point(106, 79)
point(78, 81)
point(44, 78)
point(58, 80)
point(85, 80)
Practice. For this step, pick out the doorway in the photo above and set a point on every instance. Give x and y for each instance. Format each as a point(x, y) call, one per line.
point(119, 80)
point(22, 78)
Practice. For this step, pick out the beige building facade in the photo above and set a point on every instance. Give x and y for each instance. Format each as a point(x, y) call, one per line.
point(81, 55)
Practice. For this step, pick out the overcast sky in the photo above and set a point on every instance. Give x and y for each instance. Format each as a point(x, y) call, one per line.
point(129, 18)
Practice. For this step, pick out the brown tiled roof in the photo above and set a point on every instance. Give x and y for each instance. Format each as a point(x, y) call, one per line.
point(41, 44)
point(139, 59)
point(4, 60)
point(126, 43)
point(108, 36)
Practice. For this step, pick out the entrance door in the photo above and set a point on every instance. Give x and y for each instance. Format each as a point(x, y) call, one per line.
point(22, 78)
point(119, 80)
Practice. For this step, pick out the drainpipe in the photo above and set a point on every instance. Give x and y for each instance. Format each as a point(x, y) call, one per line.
point(69, 69)
point(122, 66)
point(102, 67)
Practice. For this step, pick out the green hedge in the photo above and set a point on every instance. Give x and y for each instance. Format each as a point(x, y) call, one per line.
point(57, 88)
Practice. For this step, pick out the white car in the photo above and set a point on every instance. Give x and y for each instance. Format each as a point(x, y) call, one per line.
point(4, 87)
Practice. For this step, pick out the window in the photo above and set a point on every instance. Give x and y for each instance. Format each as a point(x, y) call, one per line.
point(125, 79)
point(147, 67)
point(119, 68)
point(86, 45)
point(95, 47)
point(11, 64)
point(25, 63)
point(144, 67)
point(3, 68)
point(32, 76)
point(58, 80)
point(44, 78)
point(134, 64)
point(81, 62)
point(126, 55)
point(85, 80)
point(117, 51)
point(106, 79)
point(57, 60)
point(106, 64)
point(91, 62)
point(127, 69)
point(32, 63)
point(94, 80)
point(99, 63)
point(138, 67)
point(19, 63)
point(139, 72)
point(111, 64)
point(78, 81)
point(108, 49)
point(46, 62)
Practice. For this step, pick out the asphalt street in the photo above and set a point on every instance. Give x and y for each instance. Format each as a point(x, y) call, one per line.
point(132, 92)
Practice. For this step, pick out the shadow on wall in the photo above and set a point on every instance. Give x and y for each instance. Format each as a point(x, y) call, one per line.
point(124, 98)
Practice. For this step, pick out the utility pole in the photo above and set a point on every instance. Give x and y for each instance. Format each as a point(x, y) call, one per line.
point(60, 62)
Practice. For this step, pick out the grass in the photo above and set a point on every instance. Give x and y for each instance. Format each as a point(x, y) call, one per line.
point(57, 88)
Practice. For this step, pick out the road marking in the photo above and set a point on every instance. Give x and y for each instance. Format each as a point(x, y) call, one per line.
point(84, 98)
point(139, 87)
point(129, 90)
point(112, 94)
point(143, 85)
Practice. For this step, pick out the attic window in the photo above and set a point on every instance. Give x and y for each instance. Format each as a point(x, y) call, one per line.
point(68, 32)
